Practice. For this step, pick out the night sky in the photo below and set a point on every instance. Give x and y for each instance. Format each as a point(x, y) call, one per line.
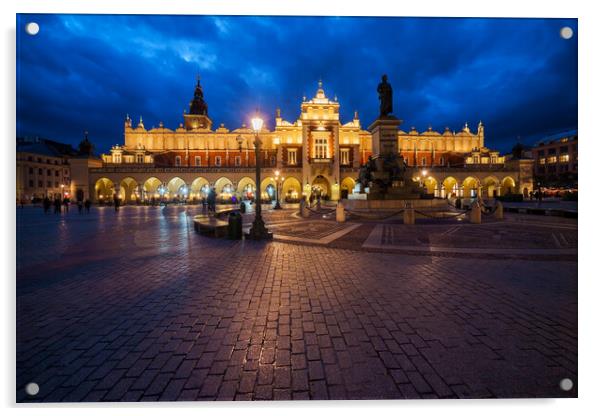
point(86, 72)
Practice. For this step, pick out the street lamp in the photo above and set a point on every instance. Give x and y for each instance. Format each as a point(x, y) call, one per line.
point(278, 181)
point(258, 230)
point(423, 180)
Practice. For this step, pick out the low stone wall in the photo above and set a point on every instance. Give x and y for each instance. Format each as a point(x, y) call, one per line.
point(356, 204)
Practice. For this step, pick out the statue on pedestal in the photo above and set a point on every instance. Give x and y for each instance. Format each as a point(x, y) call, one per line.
point(385, 95)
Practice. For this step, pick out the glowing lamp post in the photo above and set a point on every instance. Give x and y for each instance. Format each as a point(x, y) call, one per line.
point(423, 181)
point(258, 230)
point(278, 183)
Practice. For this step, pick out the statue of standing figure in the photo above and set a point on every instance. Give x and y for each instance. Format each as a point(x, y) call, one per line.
point(385, 94)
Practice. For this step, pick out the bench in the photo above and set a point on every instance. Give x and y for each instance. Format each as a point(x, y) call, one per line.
point(210, 226)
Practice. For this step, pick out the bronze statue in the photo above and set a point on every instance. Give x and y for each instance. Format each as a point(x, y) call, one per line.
point(385, 94)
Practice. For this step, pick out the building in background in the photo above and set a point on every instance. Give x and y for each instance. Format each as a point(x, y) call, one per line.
point(47, 168)
point(42, 169)
point(315, 153)
point(556, 160)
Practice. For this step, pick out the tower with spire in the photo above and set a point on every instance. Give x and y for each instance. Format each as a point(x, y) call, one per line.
point(197, 116)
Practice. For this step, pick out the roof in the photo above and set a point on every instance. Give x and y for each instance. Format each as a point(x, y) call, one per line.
point(556, 136)
point(45, 147)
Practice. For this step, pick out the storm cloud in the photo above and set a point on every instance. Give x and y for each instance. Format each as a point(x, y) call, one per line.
point(86, 72)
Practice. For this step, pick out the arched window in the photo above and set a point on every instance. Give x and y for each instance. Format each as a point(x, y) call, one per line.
point(197, 161)
point(218, 160)
point(442, 161)
point(178, 160)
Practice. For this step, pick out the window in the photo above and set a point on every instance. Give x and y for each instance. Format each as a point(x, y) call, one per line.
point(442, 161)
point(48, 161)
point(320, 149)
point(292, 156)
point(117, 158)
point(49, 183)
point(139, 158)
point(552, 159)
point(218, 160)
point(273, 161)
point(237, 161)
point(564, 149)
point(40, 172)
point(564, 158)
point(31, 183)
point(178, 160)
point(344, 156)
point(197, 161)
point(56, 173)
point(423, 161)
point(48, 172)
point(39, 160)
point(31, 171)
point(56, 184)
point(541, 153)
point(542, 161)
point(40, 184)
point(29, 158)
point(552, 151)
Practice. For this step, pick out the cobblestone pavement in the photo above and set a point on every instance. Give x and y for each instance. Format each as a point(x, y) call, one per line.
point(135, 306)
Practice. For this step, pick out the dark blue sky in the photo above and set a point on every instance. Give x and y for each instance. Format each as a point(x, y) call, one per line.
point(86, 72)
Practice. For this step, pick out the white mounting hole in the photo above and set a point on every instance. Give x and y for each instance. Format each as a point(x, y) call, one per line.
point(566, 384)
point(32, 389)
point(566, 32)
point(32, 28)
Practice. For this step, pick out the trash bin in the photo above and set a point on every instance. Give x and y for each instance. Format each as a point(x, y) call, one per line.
point(234, 226)
point(243, 207)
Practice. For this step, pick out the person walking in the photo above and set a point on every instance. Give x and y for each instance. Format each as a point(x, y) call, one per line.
point(46, 204)
point(66, 204)
point(80, 207)
point(57, 205)
point(87, 206)
point(116, 202)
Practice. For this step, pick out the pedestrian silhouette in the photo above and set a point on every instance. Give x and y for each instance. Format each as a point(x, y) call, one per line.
point(57, 205)
point(46, 204)
point(87, 206)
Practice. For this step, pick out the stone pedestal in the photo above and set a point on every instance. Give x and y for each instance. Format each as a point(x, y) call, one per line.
point(303, 208)
point(475, 213)
point(409, 216)
point(384, 136)
point(340, 212)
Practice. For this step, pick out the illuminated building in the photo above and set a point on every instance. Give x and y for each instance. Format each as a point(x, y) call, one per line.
point(556, 159)
point(315, 153)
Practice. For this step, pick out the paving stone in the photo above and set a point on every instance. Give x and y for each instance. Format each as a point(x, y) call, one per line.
point(124, 311)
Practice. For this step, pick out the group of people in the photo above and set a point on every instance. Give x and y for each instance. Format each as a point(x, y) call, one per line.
point(60, 205)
